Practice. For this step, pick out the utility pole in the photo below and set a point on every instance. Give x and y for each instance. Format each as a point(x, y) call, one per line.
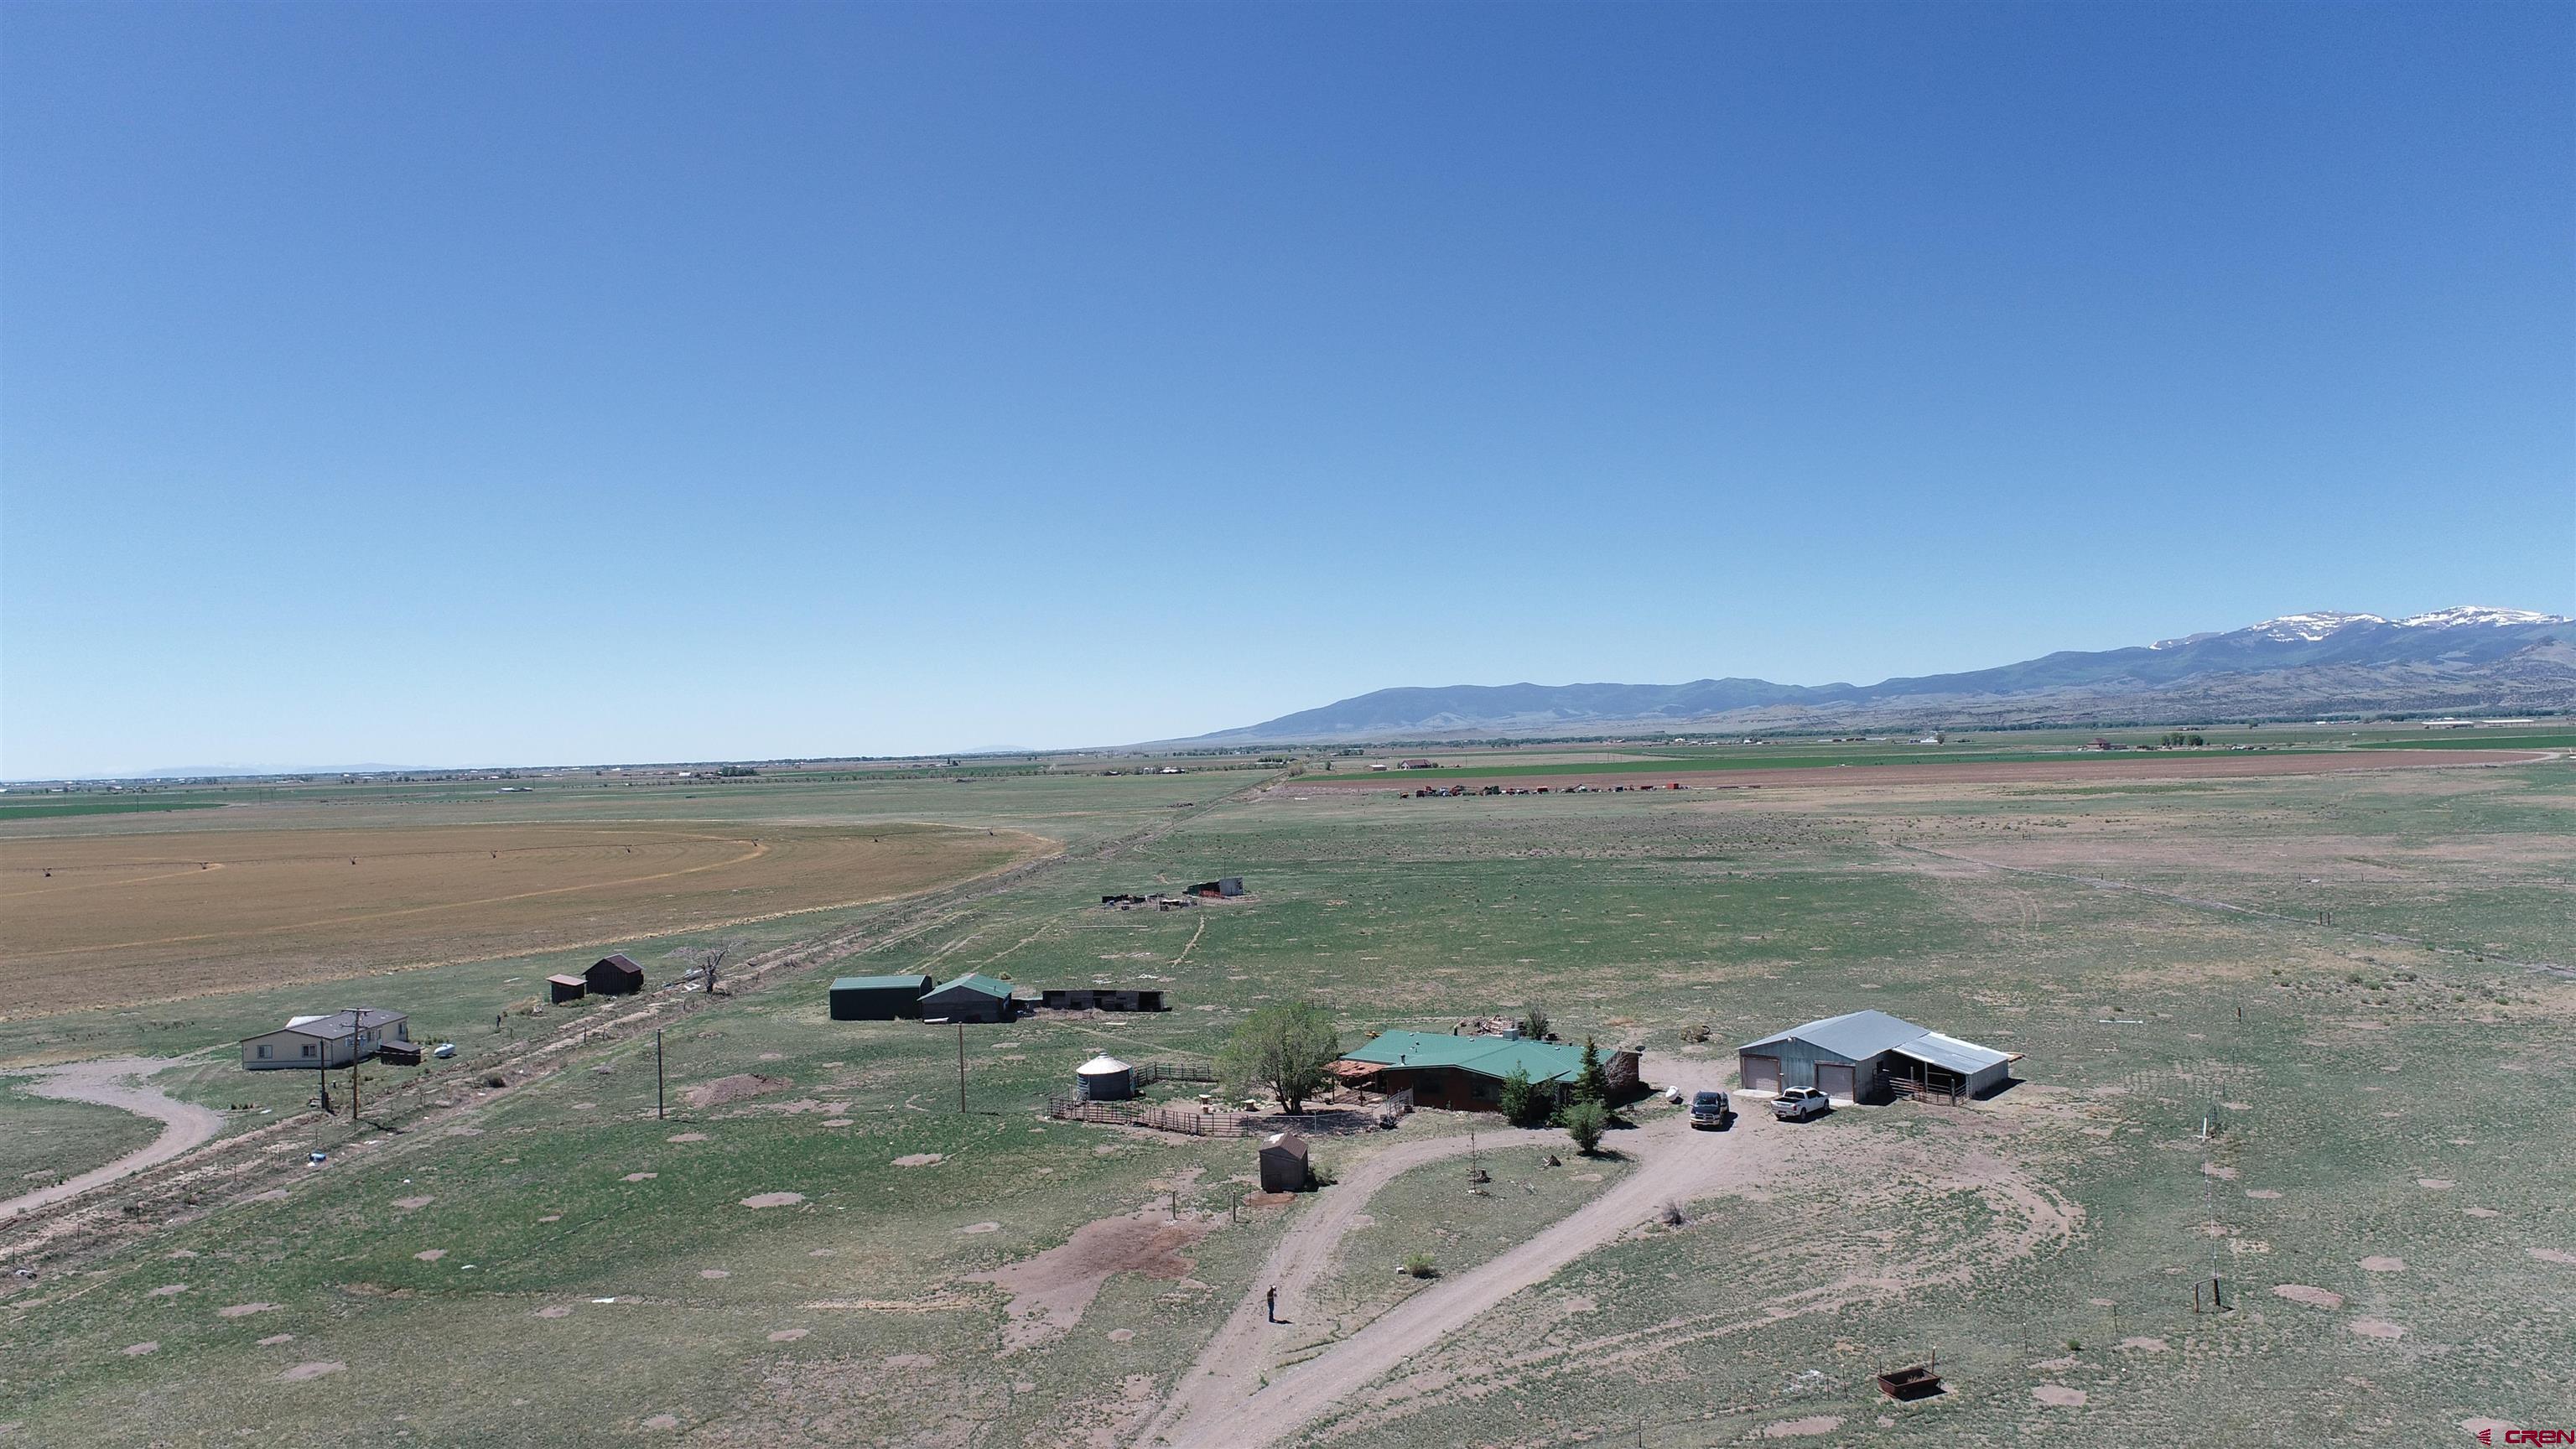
point(322, 1074)
point(657, 1074)
point(961, 1066)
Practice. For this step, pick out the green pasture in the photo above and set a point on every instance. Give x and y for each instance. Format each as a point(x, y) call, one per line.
point(2414, 1040)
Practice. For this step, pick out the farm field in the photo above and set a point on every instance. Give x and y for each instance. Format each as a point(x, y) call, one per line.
point(2311, 1033)
point(127, 918)
point(1787, 769)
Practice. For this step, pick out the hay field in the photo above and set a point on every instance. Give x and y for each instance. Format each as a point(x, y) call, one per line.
point(106, 919)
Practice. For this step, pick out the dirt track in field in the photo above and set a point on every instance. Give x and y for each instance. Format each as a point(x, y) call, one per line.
point(106, 1083)
point(117, 919)
point(2083, 768)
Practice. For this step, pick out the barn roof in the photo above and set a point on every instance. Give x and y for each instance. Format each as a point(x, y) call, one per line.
point(1964, 1057)
point(881, 983)
point(975, 982)
point(1490, 1056)
point(620, 960)
point(1288, 1142)
point(561, 980)
point(1863, 1034)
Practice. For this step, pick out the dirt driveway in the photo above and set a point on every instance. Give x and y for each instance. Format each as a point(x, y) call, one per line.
point(115, 1082)
point(1222, 1403)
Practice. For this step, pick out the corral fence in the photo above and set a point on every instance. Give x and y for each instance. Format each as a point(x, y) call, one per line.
point(1152, 1072)
point(1213, 1121)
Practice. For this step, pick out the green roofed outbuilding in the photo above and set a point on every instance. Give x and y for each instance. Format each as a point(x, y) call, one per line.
point(969, 998)
point(1465, 1073)
point(878, 998)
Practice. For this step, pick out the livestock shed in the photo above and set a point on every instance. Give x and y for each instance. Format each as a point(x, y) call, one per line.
point(339, 1039)
point(1225, 887)
point(1101, 998)
point(1283, 1163)
point(1465, 1073)
point(560, 989)
point(616, 975)
point(1104, 1078)
point(877, 998)
point(969, 998)
point(1869, 1056)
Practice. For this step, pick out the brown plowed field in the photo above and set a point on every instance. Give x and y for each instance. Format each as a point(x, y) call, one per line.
point(126, 918)
point(1965, 772)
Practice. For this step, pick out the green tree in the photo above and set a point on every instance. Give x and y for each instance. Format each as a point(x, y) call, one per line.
point(1534, 1024)
point(1288, 1048)
point(1585, 1122)
point(1591, 1084)
point(1519, 1097)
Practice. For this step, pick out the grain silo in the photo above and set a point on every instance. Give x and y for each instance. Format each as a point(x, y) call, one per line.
point(1106, 1079)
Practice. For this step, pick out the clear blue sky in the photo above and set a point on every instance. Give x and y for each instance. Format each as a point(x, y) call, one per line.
point(479, 383)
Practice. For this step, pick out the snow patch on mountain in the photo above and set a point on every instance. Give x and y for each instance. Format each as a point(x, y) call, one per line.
point(2464, 614)
point(2308, 628)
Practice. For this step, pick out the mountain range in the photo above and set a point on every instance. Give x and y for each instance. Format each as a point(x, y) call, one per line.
point(2296, 666)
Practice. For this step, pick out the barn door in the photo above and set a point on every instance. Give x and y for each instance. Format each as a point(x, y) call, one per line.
point(1834, 1079)
point(1761, 1074)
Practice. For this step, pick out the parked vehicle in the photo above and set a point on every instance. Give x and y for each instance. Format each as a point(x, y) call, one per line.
point(443, 1050)
point(1708, 1109)
point(1797, 1104)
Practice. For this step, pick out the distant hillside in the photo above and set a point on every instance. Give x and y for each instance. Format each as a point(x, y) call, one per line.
point(2453, 659)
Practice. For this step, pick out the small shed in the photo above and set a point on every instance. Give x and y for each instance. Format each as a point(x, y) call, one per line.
point(877, 998)
point(1283, 1163)
point(1104, 1078)
point(616, 975)
point(560, 989)
point(1225, 887)
point(969, 998)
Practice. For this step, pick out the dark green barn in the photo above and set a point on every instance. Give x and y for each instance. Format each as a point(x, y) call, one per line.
point(877, 998)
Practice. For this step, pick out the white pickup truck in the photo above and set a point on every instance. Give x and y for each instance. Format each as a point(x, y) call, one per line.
point(1797, 1104)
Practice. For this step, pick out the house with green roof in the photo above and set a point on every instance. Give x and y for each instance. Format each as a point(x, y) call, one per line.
point(1463, 1073)
point(969, 998)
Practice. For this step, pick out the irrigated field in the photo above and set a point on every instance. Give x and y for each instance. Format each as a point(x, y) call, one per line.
point(94, 920)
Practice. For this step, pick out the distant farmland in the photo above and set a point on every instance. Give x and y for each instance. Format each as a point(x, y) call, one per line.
point(110, 919)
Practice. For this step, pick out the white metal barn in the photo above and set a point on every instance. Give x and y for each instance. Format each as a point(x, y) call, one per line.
point(1868, 1056)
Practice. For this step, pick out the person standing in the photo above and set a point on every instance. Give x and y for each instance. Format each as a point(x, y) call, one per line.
point(1273, 1304)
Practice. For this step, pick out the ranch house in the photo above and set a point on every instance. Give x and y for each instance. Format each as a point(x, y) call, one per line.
point(1465, 1073)
point(313, 1043)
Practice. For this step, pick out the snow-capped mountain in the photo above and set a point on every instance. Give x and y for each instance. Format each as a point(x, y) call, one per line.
point(2463, 658)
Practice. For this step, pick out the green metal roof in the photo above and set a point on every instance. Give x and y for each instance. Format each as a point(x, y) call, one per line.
point(880, 983)
point(974, 982)
point(1490, 1056)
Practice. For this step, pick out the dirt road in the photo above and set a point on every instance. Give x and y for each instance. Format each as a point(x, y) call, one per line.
point(107, 1083)
point(1222, 1403)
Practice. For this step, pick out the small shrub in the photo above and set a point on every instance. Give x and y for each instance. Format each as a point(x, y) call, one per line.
point(1670, 1214)
point(1585, 1122)
point(1698, 1033)
point(1421, 1265)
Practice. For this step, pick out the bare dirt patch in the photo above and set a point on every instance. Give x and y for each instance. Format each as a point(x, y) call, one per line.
point(686, 1137)
point(2383, 1265)
point(2552, 1255)
point(1801, 1428)
point(788, 1335)
point(739, 1087)
point(137, 1350)
point(921, 1159)
point(773, 1199)
point(2379, 1328)
point(410, 1204)
point(430, 1255)
point(2059, 1395)
point(244, 1310)
point(305, 1371)
point(2313, 1297)
point(1050, 1292)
